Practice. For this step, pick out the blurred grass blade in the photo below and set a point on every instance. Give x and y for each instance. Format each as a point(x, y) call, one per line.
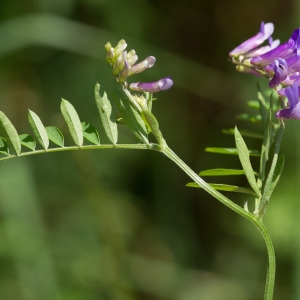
point(27, 141)
point(250, 118)
point(3, 146)
point(38, 129)
point(244, 157)
point(90, 133)
point(55, 135)
point(105, 110)
point(131, 117)
point(221, 172)
point(244, 133)
point(10, 134)
point(72, 119)
point(225, 188)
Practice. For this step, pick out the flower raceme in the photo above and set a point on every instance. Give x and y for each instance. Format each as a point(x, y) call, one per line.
point(124, 65)
point(280, 63)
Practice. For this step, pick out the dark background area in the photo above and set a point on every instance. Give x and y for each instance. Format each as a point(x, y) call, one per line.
point(121, 224)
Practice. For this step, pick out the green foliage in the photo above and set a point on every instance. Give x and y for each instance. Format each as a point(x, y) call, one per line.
point(84, 135)
point(263, 181)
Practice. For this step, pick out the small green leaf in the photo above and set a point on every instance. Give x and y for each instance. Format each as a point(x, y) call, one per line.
point(270, 186)
point(225, 188)
point(10, 133)
point(278, 171)
point(3, 146)
point(72, 119)
point(27, 141)
point(221, 172)
point(55, 135)
point(244, 157)
point(38, 129)
point(131, 117)
point(90, 133)
point(230, 151)
point(107, 118)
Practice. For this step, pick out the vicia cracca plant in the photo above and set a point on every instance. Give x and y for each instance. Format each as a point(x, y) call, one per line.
point(131, 104)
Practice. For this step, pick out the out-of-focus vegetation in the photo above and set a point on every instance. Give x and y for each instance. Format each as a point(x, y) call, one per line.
point(121, 224)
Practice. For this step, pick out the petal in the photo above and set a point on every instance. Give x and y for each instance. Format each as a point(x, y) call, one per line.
point(292, 94)
point(280, 69)
point(266, 30)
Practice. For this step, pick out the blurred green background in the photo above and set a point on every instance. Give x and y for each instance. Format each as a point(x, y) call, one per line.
point(121, 224)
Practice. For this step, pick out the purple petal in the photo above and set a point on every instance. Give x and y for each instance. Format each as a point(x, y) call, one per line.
point(266, 30)
point(293, 110)
point(152, 87)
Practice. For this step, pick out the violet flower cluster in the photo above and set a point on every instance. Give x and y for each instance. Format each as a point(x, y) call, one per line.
point(124, 65)
point(280, 63)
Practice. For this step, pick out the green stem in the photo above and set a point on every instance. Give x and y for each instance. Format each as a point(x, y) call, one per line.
point(270, 279)
point(84, 147)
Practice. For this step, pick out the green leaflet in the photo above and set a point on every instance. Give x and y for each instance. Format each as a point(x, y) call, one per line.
point(72, 119)
point(55, 135)
point(131, 117)
point(221, 172)
point(225, 188)
point(10, 133)
point(107, 118)
point(38, 129)
point(244, 157)
point(27, 141)
point(90, 133)
point(231, 151)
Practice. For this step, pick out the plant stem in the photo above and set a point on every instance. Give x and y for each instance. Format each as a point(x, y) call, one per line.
point(270, 278)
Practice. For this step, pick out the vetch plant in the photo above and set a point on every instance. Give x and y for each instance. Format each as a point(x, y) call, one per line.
point(279, 63)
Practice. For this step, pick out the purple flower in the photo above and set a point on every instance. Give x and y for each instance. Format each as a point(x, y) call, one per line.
point(266, 30)
point(293, 109)
point(284, 51)
point(152, 87)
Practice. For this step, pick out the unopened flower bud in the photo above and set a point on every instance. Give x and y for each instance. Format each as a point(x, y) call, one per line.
point(152, 87)
point(143, 65)
point(119, 64)
point(125, 71)
point(120, 47)
point(131, 57)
